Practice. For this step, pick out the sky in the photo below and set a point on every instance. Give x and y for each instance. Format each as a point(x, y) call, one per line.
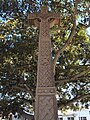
point(88, 31)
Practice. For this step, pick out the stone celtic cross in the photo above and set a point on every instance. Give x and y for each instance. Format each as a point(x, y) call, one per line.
point(45, 104)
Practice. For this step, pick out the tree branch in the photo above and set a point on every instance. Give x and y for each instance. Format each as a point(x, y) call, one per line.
point(68, 41)
point(23, 89)
point(67, 103)
point(31, 93)
point(73, 78)
point(84, 11)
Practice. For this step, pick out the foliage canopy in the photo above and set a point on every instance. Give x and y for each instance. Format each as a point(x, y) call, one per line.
point(19, 51)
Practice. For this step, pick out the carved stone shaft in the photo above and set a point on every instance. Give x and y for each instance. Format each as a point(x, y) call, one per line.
point(45, 92)
point(45, 72)
point(45, 105)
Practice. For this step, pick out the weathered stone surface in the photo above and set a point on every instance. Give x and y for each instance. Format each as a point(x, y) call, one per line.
point(45, 106)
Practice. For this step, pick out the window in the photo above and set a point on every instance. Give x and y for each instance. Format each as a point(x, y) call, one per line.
point(60, 118)
point(82, 118)
point(70, 118)
point(89, 112)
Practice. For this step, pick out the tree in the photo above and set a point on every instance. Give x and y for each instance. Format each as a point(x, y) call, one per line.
point(19, 51)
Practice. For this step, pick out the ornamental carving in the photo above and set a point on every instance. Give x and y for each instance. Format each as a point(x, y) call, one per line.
point(45, 105)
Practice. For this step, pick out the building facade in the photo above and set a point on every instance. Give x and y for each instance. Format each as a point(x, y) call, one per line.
point(75, 115)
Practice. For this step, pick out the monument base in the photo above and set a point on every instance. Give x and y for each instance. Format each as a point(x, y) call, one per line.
point(45, 106)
